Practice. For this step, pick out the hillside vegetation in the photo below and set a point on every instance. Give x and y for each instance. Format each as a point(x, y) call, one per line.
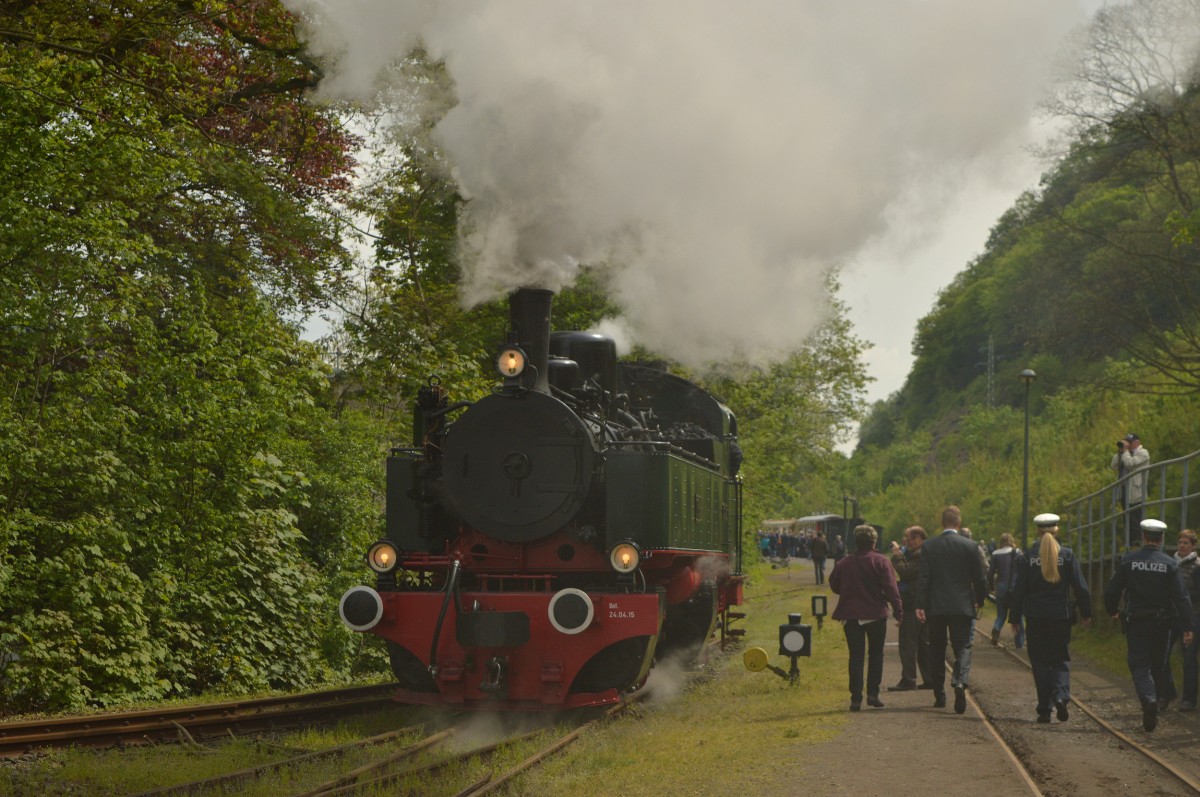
point(1091, 281)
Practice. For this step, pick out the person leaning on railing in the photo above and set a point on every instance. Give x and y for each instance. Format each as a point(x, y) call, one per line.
point(1132, 459)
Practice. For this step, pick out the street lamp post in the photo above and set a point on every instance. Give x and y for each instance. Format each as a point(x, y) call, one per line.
point(1027, 376)
point(852, 502)
point(845, 521)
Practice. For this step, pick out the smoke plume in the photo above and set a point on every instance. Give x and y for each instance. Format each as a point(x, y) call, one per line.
point(718, 158)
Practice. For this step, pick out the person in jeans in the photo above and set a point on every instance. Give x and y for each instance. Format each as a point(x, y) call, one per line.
point(1186, 555)
point(865, 584)
point(1002, 577)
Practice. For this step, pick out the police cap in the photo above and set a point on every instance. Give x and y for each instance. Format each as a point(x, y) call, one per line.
point(1046, 519)
point(1153, 528)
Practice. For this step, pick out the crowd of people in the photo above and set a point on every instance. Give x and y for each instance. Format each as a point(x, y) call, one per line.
point(935, 586)
point(799, 544)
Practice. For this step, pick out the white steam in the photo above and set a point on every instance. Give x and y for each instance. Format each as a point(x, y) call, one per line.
point(719, 157)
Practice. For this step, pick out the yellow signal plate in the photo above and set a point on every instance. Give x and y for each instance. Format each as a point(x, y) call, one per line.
point(755, 659)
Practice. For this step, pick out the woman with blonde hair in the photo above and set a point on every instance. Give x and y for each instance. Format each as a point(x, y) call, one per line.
point(1045, 581)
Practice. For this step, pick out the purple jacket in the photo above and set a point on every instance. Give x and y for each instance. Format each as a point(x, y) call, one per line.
point(865, 584)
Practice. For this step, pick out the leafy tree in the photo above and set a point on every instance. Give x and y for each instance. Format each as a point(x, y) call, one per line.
point(165, 189)
point(1133, 100)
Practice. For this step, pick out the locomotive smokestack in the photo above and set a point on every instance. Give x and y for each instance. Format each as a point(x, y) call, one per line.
point(529, 317)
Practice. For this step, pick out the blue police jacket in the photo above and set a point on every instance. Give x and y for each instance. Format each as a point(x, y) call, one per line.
point(1034, 596)
point(1150, 581)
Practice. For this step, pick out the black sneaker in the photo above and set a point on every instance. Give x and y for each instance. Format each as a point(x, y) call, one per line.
point(1044, 719)
point(960, 699)
point(903, 687)
point(995, 637)
point(855, 705)
point(939, 700)
point(874, 702)
point(1060, 708)
point(1150, 715)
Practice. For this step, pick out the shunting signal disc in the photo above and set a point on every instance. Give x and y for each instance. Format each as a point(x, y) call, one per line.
point(755, 659)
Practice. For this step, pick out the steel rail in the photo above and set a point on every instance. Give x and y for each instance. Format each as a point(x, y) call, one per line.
point(489, 783)
point(139, 727)
point(254, 773)
point(425, 769)
point(1174, 771)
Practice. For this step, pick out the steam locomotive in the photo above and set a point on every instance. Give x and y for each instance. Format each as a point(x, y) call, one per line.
point(547, 543)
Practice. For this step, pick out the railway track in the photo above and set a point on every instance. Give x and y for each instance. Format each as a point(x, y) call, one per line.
point(217, 719)
point(1025, 743)
point(394, 770)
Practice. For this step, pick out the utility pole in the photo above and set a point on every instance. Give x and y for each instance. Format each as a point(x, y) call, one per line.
point(991, 375)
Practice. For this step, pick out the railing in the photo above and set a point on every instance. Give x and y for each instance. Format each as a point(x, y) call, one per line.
point(1097, 525)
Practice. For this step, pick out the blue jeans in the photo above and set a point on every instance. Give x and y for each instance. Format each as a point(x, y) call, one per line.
point(1002, 607)
point(1190, 660)
point(865, 642)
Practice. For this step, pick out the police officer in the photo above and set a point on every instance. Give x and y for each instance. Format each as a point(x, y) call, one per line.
point(1155, 602)
point(1045, 580)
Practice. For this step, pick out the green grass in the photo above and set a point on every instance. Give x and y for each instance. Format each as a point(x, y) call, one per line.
point(735, 716)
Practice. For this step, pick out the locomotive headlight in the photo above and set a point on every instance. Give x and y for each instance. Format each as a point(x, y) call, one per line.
point(511, 362)
point(382, 557)
point(625, 557)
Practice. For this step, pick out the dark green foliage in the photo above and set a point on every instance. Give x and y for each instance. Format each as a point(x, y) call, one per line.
point(1100, 264)
point(161, 433)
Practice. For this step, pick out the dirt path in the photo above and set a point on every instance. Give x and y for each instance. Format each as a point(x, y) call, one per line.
point(909, 745)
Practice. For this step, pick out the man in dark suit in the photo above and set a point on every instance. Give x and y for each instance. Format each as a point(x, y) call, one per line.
point(950, 589)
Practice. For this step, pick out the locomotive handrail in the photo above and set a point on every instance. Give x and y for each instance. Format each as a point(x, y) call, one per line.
point(451, 594)
point(395, 450)
point(670, 447)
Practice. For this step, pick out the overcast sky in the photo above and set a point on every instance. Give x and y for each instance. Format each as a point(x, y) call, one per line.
point(726, 154)
point(894, 280)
